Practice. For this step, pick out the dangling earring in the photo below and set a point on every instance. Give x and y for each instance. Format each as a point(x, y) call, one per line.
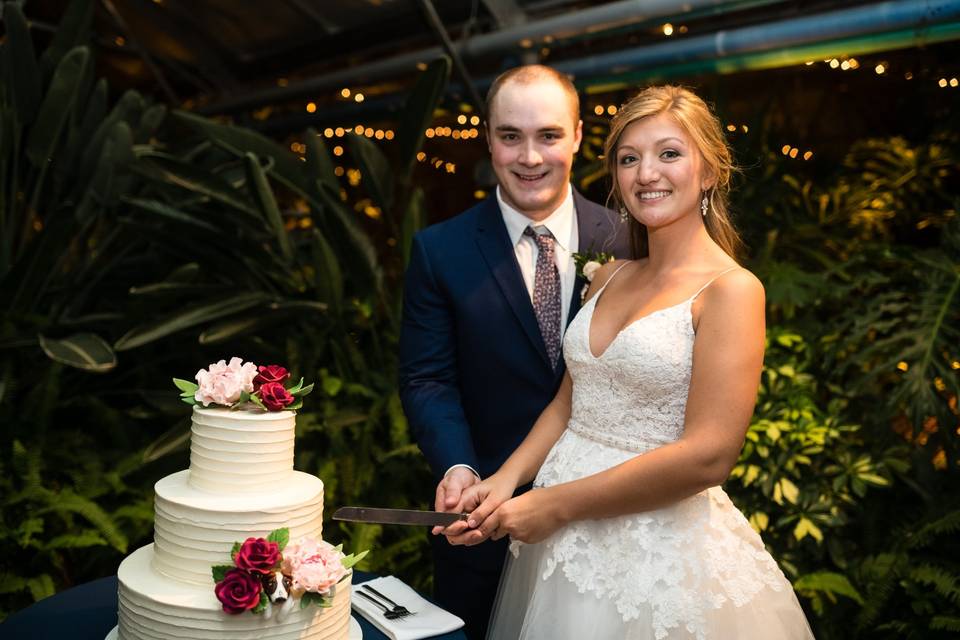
point(704, 205)
point(624, 214)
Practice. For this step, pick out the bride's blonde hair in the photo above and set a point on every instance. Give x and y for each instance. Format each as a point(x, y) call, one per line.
point(704, 129)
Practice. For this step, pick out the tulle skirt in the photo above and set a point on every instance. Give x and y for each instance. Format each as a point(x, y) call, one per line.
point(693, 571)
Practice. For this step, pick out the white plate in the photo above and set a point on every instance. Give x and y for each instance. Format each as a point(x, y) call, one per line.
point(355, 632)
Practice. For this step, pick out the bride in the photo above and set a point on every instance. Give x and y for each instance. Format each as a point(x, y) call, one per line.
point(627, 533)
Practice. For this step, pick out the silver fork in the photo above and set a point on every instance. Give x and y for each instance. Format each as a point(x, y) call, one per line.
point(387, 612)
point(398, 609)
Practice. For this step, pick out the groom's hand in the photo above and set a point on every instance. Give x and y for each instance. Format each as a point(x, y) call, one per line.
point(450, 490)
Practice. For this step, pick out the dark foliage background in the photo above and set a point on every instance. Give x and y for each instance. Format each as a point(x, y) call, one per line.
point(138, 244)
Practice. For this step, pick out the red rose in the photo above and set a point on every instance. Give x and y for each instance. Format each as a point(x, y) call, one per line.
point(239, 591)
point(274, 397)
point(270, 373)
point(259, 555)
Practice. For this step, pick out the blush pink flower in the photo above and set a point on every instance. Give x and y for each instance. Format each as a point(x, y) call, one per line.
point(222, 383)
point(313, 564)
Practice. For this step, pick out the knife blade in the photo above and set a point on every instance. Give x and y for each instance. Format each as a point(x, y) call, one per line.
point(398, 516)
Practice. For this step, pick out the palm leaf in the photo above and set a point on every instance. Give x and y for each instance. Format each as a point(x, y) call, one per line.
point(56, 107)
point(86, 351)
point(190, 317)
point(21, 72)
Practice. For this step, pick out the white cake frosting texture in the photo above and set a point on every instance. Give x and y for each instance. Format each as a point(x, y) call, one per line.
point(241, 484)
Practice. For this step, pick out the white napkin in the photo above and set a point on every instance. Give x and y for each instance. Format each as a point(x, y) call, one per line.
point(430, 620)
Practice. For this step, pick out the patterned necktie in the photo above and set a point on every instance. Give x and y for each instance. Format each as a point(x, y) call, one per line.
point(546, 293)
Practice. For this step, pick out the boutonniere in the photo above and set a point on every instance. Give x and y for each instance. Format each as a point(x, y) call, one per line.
point(587, 264)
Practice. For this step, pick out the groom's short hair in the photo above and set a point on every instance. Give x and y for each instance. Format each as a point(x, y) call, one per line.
point(533, 73)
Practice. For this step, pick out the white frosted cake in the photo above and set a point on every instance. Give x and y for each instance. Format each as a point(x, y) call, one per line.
point(240, 485)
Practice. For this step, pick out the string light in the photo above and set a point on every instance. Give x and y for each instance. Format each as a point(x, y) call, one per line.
point(845, 65)
point(598, 110)
point(794, 152)
point(807, 155)
point(785, 149)
point(745, 128)
point(339, 132)
point(311, 107)
point(389, 134)
point(908, 75)
point(461, 119)
point(474, 120)
point(328, 133)
point(612, 109)
point(378, 134)
point(668, 29)
point(338, 171)
point(943, 82)
point(345, 92)
point(368, 132)
point(880, 68)
point(358, 97)
point(338, 150)
point(429, 133)
point(834, 63)
point(479, 194)
point(421, 156)
point(731, 127)
point(953, 82)
point(120, 41)
point(358, 129)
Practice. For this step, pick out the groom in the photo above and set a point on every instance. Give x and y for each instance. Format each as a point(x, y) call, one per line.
point(488, 294)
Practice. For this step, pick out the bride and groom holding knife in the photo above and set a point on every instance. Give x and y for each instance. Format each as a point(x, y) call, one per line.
point(624, 409)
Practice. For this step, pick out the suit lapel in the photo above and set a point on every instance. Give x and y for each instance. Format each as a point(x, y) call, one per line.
point(588, 229)
point(494, 244)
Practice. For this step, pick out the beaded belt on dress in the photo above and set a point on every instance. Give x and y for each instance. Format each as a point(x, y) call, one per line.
point(611, 440)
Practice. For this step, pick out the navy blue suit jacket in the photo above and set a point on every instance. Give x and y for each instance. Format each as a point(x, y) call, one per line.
point(474, 374)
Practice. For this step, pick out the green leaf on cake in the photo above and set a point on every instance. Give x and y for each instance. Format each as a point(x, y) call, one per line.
point(296, 405)
point(299, 393)
point(185, 385)
point(256, 400)
point(264, 601)
point(295, 388)
point(309, 597)
point(353, 558)
point(188, 399)
point(280, 536)
point(244, 397)
point(220, 571)
point(234, 551)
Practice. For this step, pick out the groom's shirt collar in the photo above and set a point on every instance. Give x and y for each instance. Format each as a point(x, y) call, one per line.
point(560, 222)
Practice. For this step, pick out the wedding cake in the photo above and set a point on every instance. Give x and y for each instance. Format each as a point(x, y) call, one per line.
point(237, 551)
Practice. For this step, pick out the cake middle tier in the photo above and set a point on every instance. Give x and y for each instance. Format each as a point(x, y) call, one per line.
point(195, 530)
point(239, 451)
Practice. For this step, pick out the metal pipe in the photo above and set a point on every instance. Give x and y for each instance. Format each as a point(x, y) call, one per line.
point(593, 21)
point(851, 31)
point(877, 18)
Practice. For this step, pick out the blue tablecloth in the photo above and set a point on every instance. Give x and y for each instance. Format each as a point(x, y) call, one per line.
point(89, 612)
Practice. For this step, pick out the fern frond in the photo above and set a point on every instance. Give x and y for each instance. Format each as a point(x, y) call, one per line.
point(945, 623)
point(944, 526)
point(76, 541)
point(944, 583)
point(69, 502)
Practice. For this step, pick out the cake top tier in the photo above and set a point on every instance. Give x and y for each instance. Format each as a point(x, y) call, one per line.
point(239, 451)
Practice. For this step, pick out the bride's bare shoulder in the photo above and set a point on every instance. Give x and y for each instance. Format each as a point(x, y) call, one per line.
point(602, 275)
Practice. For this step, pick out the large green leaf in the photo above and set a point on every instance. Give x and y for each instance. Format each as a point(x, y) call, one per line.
point(68, 502)
point(418, 113)
point(376, 171)
point(358, 253)
point(414, 220)
point(260, 190)
point(170, 213)
point(189, 317)
point(194, 179)
point(287, 168)
point(73, 30)
point(86, 351)
point(111, 177)
point(127, 109)
point(21, 73)
point(328, 278)
point(56, 106)
point(319, 165)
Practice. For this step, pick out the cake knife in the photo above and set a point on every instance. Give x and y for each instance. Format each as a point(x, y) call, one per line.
point(398, 516)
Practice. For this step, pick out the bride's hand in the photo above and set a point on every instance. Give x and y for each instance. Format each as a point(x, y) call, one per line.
point(529, 518)
point(483, 497)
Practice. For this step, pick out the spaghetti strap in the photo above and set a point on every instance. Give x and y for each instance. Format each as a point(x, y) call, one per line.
point(710, 281)
point(612, 276)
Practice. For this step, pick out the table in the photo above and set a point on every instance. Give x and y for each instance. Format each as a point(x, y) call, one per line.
point(89, 611)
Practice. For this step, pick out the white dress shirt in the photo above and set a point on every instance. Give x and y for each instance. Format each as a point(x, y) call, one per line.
point(562, 224)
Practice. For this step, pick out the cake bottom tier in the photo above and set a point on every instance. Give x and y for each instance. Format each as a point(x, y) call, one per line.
point(154, 607)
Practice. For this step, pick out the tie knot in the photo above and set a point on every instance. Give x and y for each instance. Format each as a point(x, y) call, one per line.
point(544, 239)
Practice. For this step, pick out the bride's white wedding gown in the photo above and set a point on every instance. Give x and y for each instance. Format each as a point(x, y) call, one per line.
point(694, 570)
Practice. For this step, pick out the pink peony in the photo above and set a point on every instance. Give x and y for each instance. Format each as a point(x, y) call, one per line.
point(315, 565)
point(222, 383)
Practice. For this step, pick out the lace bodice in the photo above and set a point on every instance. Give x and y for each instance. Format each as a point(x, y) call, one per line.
point(633, 395)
